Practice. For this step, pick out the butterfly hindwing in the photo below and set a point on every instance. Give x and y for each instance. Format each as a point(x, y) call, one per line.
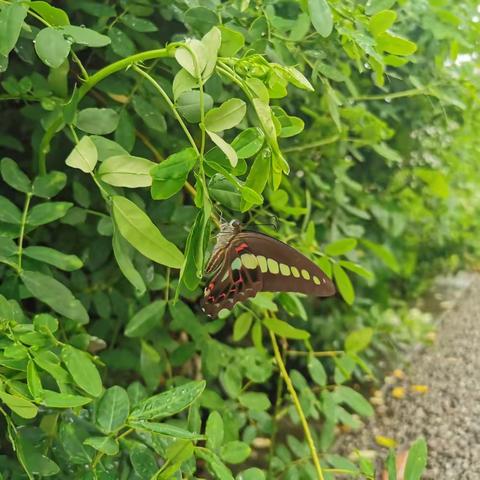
point(236, 280)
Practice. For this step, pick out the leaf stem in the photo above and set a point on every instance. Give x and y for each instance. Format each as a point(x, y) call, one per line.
point(26, 206)
point(298, 406)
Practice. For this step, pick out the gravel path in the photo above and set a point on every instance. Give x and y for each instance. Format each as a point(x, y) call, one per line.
point(448, 414)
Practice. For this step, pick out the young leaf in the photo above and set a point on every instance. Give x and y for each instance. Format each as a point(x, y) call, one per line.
point(99, 121)
point(194, 58)
point(340, 247)
point(86, 36)
point(242, 326)
point(232, 41)
point(316, 370)
point(165, 429)
point(137, 228)
point(53, 15)
point(395, 45)
point(358, 269)
point(382, 21)
point(55, 295)
point(226, 116)
point(126, 171)
point(33, 381)
point(214, 464)
point(248, 142)
point(255, 401)
point(53, 399)
point(47, 212)
point(84, 156)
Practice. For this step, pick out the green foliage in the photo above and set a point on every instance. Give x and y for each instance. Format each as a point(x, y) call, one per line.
point(127, 128)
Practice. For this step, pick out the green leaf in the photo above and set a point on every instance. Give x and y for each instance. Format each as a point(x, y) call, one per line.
point(9, 212)
point(232, 41)
point(316, 370)
point(48, 185)
point(52, 47)
point(138, 24)
point(86, 36)
point(358, 340)
point(382, 21)
point(374, 6)
point(384, 254)
point(47, 212)
point(165, 429)
point(143, 460)
point(340, 247)
point(226, 116)
point(84, 156)
point(391, 465)
point(214, 464)
point(53, 399)
point(106, 445)
point(150, 114)
point(113, 409)
point(255, 401)
point(188, 105)
point(14, 176)
point(242, 326)
point(201, 19)
point(417, 460)
point(343, 283)
point(253, 473)
point(53, 15)
point(33, 381)
point(83, 370)
point(249, 142)
point(69, 263)
point(211, 41)
point(121, 250)
point(126, 171)
point(170, 175)
point(284, 329)
point(137, 228)
point(193, 59)
point(55, 295)
point(99, 121)
point(214, 431)
point(11, 21)
point(168, 403)
point(321, 16)
point(121, 44)
point(146, 319)
point(395, 45)
point(183, 82)
point(235, 452)
point(354, 400)
point(226, 148)
point(358, 269)
point(21, 406)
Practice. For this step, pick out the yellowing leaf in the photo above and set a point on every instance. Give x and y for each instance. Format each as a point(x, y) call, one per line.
point(398, 392)
point(385, 441)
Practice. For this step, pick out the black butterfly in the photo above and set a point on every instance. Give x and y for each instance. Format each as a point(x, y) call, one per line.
point(244, 263)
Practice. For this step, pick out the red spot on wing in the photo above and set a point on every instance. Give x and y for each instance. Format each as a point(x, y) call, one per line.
point(210, 287)
point(241, 247)
point(221, 297)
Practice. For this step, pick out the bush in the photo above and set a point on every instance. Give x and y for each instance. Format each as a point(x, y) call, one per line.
point(130, 130)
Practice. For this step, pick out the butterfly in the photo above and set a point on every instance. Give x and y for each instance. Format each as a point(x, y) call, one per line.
point(244, 263)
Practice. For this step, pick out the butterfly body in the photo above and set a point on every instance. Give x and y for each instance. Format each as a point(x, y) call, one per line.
point(244, 263)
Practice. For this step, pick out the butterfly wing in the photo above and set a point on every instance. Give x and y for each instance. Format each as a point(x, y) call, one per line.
point(235, 279)
point(285, 269)
point(252, 262)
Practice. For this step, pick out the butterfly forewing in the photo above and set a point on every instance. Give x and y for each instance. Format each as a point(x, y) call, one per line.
point(246, 263)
